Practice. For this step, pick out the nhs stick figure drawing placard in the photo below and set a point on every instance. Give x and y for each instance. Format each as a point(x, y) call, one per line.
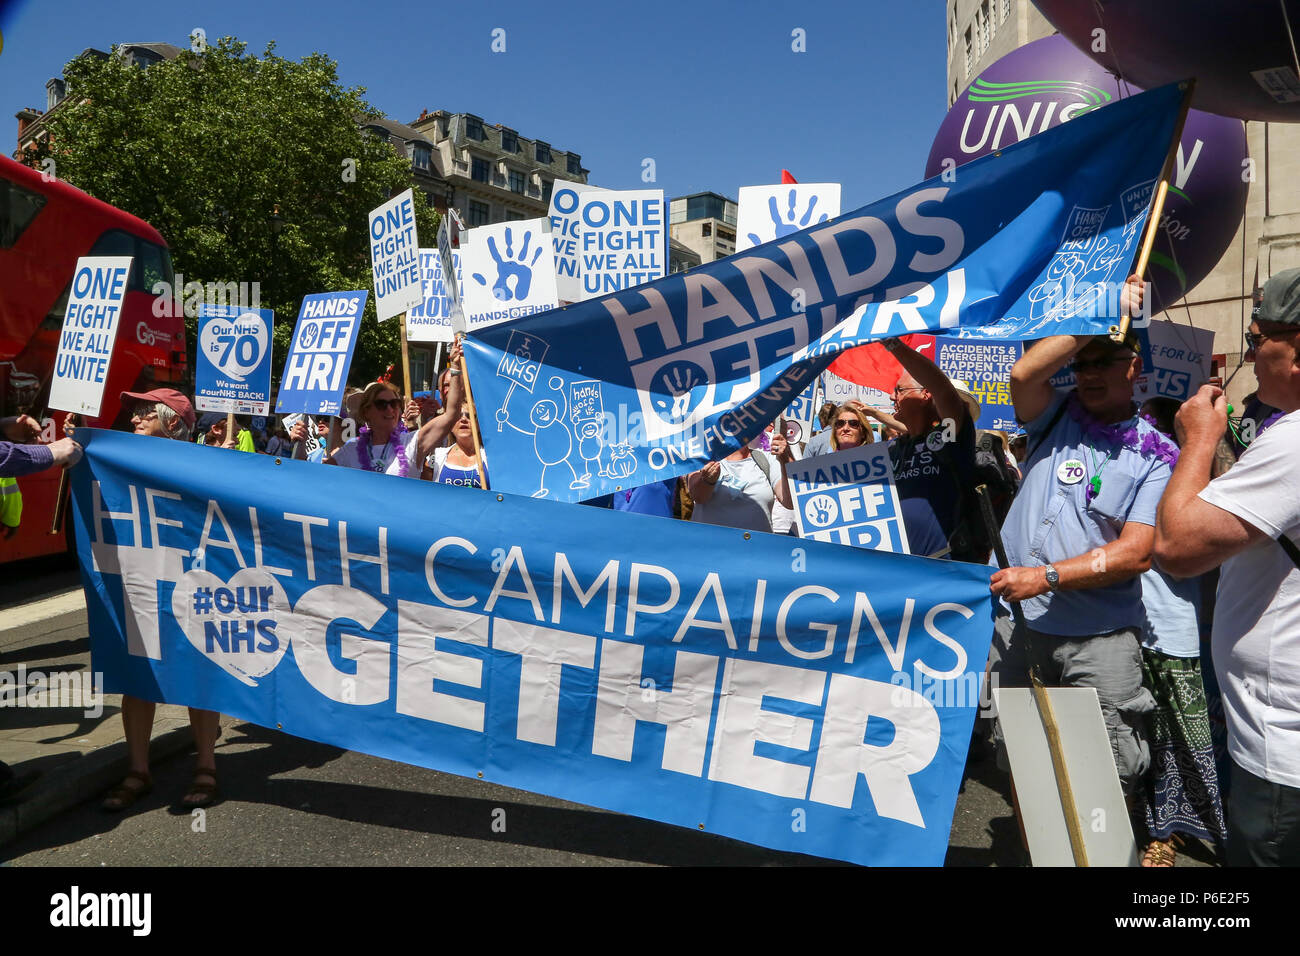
point(509, 272)
point(849, 497)
point(764, 213)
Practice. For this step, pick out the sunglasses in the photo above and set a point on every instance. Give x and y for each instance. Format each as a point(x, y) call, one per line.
point(899, 389)
point(1078, 366)
point(848, 423)
point(383, 403)
point(1255, 339)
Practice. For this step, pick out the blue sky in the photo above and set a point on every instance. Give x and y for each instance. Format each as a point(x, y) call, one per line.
point(710, 90)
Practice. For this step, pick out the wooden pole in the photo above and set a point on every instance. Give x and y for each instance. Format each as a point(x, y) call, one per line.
point(406, 363)
point(1118, 332)
point(60, 504)
point(230, 426)
point(473, 419)
point(1041, 700)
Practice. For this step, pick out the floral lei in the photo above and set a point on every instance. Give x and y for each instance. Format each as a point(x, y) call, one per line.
point(1125, 434)
point(363, 449)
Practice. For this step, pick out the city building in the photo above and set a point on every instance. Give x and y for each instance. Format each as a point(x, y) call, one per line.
point(704, 223)
point(32, 122)
point(492, 174)
point(1268, 239)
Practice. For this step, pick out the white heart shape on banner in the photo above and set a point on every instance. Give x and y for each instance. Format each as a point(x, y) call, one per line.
point(235, 346)
point(234, 624)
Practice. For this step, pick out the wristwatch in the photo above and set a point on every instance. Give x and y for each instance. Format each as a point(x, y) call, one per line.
point(1053, 579)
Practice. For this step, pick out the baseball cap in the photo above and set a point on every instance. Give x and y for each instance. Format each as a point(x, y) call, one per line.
point(1281, 299)
point(169, 397)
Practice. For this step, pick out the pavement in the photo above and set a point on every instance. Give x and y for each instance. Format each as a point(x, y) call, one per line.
point(59, 725)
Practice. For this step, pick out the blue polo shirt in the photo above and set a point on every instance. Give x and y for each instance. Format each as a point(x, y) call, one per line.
point(1051, 520)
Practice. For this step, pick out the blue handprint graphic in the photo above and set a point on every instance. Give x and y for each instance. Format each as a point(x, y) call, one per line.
point(512, 267)
point(791, 222)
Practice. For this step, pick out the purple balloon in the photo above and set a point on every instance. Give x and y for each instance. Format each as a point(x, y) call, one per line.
point(1239, 52)
point(1048, 82)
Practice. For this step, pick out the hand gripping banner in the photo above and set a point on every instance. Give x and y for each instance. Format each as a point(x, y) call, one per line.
point(654, 381)
point(794, 694)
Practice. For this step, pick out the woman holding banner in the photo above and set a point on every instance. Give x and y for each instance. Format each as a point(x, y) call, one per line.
point(383, 443)
point(458, 463)
point(163, 413)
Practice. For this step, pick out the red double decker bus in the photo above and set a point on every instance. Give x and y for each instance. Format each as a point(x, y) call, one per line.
point(45, 226)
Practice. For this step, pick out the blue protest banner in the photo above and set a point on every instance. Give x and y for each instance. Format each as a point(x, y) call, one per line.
point(686, 673)
point(696, 363)
point(316, 368)
point(232, 364)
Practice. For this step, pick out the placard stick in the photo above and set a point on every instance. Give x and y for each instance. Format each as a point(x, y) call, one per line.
point(60, 504)
point(406, 362)
point(1041, 700)
point(230, 426)
point(1117, 332)
point(473, 418)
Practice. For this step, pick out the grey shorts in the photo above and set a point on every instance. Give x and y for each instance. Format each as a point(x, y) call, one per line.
point(1111, 663)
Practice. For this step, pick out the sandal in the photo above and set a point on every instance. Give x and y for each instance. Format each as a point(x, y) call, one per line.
point(124, 795)
point(1161, 853)
point(201, 793)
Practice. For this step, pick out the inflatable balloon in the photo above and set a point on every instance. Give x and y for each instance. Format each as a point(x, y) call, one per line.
point(1049, 82)
point(1240, 52)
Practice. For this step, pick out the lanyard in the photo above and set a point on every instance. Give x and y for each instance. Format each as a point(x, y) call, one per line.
point(1095, 481)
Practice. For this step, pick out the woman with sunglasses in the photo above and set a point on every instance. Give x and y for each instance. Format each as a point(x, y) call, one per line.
point(458, 463)
point(383, 443)
point(850, 428)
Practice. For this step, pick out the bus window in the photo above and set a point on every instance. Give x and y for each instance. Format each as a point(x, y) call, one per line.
point(18, 207)
point(152, 262)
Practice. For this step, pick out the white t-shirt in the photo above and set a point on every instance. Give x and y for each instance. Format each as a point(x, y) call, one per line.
point(1257, 615)
point(382, 457)
point(743, 496)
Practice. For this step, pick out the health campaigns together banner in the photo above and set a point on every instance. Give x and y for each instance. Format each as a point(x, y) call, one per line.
point(794, 694)
point(1034, 241)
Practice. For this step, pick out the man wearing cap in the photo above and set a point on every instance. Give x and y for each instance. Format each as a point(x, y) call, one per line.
point(1256, 638)
point(934, 463)
point(1080, 532)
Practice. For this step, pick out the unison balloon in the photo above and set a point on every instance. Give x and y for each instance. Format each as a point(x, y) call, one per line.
point(1048, 82)
point(1241, 52)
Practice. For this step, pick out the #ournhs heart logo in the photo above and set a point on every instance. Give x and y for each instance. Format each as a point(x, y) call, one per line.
point(234, 624)
point(235, 346)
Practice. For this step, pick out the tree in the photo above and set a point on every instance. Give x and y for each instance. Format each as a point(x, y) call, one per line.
point(205, 146)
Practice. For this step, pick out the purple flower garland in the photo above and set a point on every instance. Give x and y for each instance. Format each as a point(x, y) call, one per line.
point(1125, 434)
point(363, 449)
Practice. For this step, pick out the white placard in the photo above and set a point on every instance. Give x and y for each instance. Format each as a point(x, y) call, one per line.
point(1181, 356)
point(848, 497)
point(764, 213)
point(509, 270)
point(431, 320)
point(566, 236)
point(395, 256)
point(1090, 764)
point(90, 327)
point(623, 239)
point(451, 229)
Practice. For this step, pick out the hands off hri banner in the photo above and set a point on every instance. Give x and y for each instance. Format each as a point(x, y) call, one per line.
point(613, 659)
point(1033, 242)
point(316, 368)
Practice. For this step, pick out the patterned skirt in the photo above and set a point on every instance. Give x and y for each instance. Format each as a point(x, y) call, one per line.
point(1182, 788)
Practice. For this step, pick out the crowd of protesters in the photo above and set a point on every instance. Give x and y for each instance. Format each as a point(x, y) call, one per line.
point(1115, 523)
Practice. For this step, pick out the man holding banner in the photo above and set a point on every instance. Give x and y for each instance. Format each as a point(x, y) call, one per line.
point(934, 462)
point(1080, 534)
